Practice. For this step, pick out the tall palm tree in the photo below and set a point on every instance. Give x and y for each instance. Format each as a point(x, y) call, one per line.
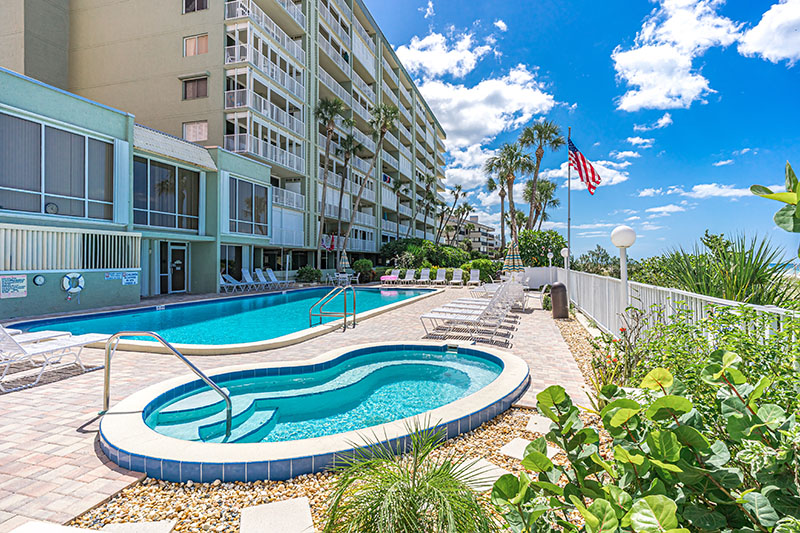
point(519, 218)
point(326, 112)
point(347, 149)
point(541, 134)
point(545, 198)
point(509, 161)
point(455, 192)
point(466, 209)
point(429, 199)
point(500, 187)
point(397, 187)
point(383, 119)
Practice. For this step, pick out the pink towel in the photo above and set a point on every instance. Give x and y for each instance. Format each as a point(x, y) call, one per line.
point(388, 278)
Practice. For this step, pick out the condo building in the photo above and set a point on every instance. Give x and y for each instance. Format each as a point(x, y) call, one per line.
point(481, 237)
point(215, 164)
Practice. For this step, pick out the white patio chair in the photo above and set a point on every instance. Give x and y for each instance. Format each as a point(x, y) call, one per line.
point(409, 278)
point(277, 282)
point(261, 278)
point(396, 280)
point(233, 284)
point(441, 277)
point(252, 284)
point(458, 278)
point(474, 277)
point(34, 336)
point(425, 276)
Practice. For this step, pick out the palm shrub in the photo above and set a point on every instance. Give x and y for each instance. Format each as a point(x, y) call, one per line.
point(534, 245)
point(788, 217)
point(660, 473)
point(423, 491)
point(308, 274)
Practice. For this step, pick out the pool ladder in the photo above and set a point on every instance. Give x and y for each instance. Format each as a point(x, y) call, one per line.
point(320, 305)
point(114, 340)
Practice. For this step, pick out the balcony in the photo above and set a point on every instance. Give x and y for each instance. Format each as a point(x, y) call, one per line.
point(334, 24)
point(421, 166)
point(244, 53)
point(334, 180)
point(335, 147)
point(295, 11)
point(403, 130)
point(421, 215)
point(361, 85)
point(405, 166)
point(332, 211)
point(404, 150)
point(405, 94)
point(248, 8)
point(328, 81)
point(288, 237)
point(244, 142)
point(404, 230)
point(364, 35)
point(365, 219)
point(420, 109)
point(405, 210)
point(387, 69)
point(366, 141)
point(392, 97)
point(288, 198)
point(245, 98)
point(361, 245)
point(407, 114)
point(359, 164)
point(345, 9)
point(361, 111)
point(388, 226)
point(335, 56)
point(391, 139)
point(391, 160)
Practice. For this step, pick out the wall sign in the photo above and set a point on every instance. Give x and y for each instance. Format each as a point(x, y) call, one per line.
point(130, 278)
point(15, 286)
point(113, 275)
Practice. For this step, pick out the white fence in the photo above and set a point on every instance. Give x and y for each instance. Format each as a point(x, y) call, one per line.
point(600, 297)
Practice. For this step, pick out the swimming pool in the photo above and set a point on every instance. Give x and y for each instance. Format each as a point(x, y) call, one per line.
point(310, 412)
point(244, 321)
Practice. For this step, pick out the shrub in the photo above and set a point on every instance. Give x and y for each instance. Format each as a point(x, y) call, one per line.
point(534, 245)
point(416, 253)
point(487, 267)
point(660, 473)
point(364, 267)
point(308, 274)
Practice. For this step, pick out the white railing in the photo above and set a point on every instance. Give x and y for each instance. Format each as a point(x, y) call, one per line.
point(359, 164)
point(420, 109)
point(405, 131)
point(364, 35)
point(389, 158)
point(419, 233)
point(328, 17)
point(248, 8)
point(239, 98)
point(405, 210)
point(291, 237)
point(333, 54)
point(361, 245)
point(294, 11)
point(406, 113)
point(392, 97)
point(334, 86)
point(391, 139)
point(37, 249)
point(405, 93)
point(421, 214)
point(241, 53)
point(387, 68)
point(404, 230)
point(244, 142)
point(332, 210)
point(420, 166)
point(389, 226)
point(429, 137)
point(345, 9)
point(335, 147)
point(288, 198)
point(365, 219)
point(365, 140)
point(404, 151)
point(361, 85)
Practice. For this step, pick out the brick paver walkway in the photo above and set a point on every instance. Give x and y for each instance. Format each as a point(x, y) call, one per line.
point(52, 469)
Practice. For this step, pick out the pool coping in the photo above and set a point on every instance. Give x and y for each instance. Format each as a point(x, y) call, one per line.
point(243, 347)
point(129, 442)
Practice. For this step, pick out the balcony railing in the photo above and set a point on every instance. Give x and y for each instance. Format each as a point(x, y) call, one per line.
point(334, 86)
point(368, 91)
point(242, 53)
point(244, 142)
point(420, 108)
point(405, 166)
point(345, 9)
point(365, 219)
point(419, 233)
point(364, 139)
point(334, 179)
point(403, 130)
point(335, 147)
point(248, 8)
point(332, 211)
point(388, 225)
point(421, 166)
point(406, 113)
point(294, 11)
point(359, 164)
point(391, 139)
point(406, 94)
point(405, 210)
point(245, 98)
point(364, 35)
point(390, 72)
point(288, 198)
point(362, 111)
point(328, 17)
point(389, 158)
point(335, 56)
point(290, 237)
point(404, 150)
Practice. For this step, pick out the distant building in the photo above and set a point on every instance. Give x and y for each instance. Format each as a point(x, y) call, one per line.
point(481, 237)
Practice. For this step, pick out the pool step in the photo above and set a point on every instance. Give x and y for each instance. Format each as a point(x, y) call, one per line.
point(193, 408)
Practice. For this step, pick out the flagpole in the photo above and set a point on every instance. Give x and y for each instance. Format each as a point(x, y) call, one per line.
point(569, 212)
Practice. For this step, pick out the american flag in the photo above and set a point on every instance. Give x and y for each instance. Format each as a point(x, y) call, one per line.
point(586, 172)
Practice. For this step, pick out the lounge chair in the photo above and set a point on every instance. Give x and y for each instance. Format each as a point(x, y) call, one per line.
point(277, 282)
point(34, 336)
point(231, 285)
point(409, 277)
point(425, 276)
point(252, 284)
point(50, 352)
point(392, 278)
point(441, 277)
point(474, 277)
point(457, 277)
point(260, 277)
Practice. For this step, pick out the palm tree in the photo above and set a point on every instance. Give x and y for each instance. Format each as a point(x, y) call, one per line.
point(398, 187)
point(519, 219)
point(326, 113)
point(383, 119)
point(545, 198)
point(541, 134)
point(500, 187)
point(347, 149)
point(455, 192)
point(466, 209)
point(429, 199)
point(425, 490)
point(509, 161)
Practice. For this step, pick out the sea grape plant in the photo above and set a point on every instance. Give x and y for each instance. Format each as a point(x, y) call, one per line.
point(659, 473)
point(787, 217)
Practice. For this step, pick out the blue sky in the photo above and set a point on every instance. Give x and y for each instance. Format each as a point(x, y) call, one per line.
point(682, 104)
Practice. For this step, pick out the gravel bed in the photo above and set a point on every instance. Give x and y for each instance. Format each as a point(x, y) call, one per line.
point(578, 340)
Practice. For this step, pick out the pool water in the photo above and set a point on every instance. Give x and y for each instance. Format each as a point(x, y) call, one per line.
point(228, 320)
point(366, 389)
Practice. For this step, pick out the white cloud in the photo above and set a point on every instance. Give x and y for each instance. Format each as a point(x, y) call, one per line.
point(663, 122)
point(466, 168)
point(709, 190)
point(722, 162)
point(649, 226)
point(428, 10)
point(500, 25)
point(631, 219)
point(472, 115)
point(625, 154)
point(777, 35)
point(644, 193)
point(658, 69)
point(608, 175)
point(664, 210)
point(433, 56)
point(742, 151)
point(468, 178)
point(640, 142)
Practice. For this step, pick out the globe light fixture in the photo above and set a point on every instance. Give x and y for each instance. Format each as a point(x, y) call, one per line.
point(623, 238)
point(565, 252)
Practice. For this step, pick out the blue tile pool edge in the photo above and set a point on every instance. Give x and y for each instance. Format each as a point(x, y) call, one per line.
point(283, 469)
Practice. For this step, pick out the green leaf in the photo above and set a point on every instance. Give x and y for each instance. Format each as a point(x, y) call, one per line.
point(791, 179)
point(653, 514)
point(536, 445)
point(667, 407)
point(719, 455)
point(505, 489)
point(704, 518)
point(548, 399)
point(596, 459)
point(607, 518)
point(689, 436)
point(771, 415)
point(760, 190)
point(537, 462)
point(619, 403)
point(762, 385)
point(666, 466)
point(656, 379)
point(758, 505)
point(785, 197)
point(622, 416)
point(548, 487)
point(624, 456)
point(786, 220)
point(619, 497)
point(664, 445)
point(591, 520)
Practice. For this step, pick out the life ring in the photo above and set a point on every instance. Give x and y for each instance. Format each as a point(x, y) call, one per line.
point(72, 282)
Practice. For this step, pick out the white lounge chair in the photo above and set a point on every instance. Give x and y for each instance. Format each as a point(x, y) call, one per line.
point(458, 277)
point(474, 277)
point(255, 285)
point(262, 279)
point(34, 336)
point(277, 282)
point(396, 274)
point(409, 277)
point(50, 352)
point(425, 276)
point(231, 285)
point(441, 277)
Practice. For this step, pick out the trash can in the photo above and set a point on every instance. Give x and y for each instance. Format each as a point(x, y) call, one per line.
point(558, 298)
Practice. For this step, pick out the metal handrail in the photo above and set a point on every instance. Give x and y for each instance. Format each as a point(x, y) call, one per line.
point(327, 298)
point(107, 371)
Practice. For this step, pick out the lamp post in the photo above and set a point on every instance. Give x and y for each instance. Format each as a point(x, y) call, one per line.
point(623, 238)
point(550, 265)
point(565, 255)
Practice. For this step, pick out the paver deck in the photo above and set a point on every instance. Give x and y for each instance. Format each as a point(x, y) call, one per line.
point(52, 469)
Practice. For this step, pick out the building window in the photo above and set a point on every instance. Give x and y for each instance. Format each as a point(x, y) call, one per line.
point(248, 207)
point(196, 45)
point(165, 195)
point(195, 131)
point(196, 88)
point(190, 6)
point(230, 261)
point(78, 175)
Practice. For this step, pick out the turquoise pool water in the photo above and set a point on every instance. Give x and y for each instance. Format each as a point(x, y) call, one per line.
point(225, 321)
point(365, 389)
